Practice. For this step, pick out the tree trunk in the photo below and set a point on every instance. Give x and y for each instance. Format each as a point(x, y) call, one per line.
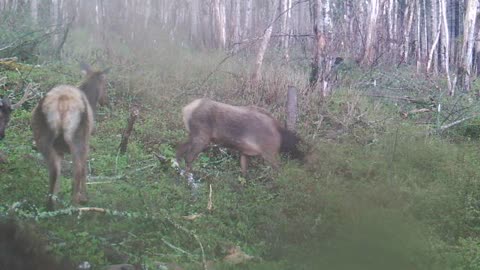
point(34, 10)
point(446, 44)
point(219, 15)
point(464, 69)
point(248, 18)
point(236, 25)
point(418, 42)
point(257, 74)
point(288, 19)
point(148, 10)
point(370, 54)
point(435, 36)
point(407, 30)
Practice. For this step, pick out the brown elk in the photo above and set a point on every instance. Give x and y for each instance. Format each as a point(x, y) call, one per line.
point(21, 248)
point(250, 130)
point(62, 122)
point(5, 111)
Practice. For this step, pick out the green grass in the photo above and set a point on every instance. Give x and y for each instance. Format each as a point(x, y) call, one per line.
point(376, 192)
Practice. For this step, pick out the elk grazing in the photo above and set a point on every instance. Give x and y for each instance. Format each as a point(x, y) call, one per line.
point(250, 130)
point(62, 122)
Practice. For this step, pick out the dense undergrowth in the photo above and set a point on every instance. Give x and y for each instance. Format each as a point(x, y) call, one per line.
point(379, 190)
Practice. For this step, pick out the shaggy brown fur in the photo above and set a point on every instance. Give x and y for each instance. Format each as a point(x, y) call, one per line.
point(250, 130)
point(62, 123)
point(21, 249)
point(5, 110)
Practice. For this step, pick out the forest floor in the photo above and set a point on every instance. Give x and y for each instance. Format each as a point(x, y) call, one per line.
point(379, 190)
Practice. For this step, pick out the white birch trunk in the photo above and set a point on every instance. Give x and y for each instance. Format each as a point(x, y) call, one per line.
point(34, 11)
point(287, 30)
point(446, 43)
point(257, 74)
point(467, 46)
point(406, 34)
point(148, 10)
point(237, 25)
point(370, 50)
point(248, 18)
point(436, 24)
point(418, 43)
point(219, 14)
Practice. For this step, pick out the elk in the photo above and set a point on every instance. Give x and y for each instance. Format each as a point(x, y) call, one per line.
point(6, 108)
point(248, 129)
point(62, 122)
point(5, 111)
point(21, 248)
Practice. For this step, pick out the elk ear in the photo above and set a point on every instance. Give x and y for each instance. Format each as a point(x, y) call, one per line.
point(86, 69)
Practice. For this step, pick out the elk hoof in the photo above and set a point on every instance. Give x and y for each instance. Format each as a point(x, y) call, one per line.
point(80, 199)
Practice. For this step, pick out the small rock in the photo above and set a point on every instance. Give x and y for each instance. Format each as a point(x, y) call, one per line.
point(84, 266)
point(167, 266)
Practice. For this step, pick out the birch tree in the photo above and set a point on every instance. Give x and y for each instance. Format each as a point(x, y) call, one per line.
point(370, 49)
point(219, 13)
point(465, 65)
point(257, 74)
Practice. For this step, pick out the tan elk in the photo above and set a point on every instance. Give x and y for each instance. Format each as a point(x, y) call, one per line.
point(62, 122)
point(250, 130)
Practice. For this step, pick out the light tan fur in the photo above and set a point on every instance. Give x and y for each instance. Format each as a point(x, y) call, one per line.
point(251, 130)
point(187, 111)
point(63, 107)
point(63, 122)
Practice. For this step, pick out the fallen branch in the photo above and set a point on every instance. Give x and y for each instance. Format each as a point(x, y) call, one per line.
point(415, 111)
point(405, 98)
point(14, 59)
point(194, 183)
point(454, 123)
point(176, 248)
point(210, 201)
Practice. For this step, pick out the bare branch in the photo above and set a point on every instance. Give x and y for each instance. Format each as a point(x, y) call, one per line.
point(30, 89)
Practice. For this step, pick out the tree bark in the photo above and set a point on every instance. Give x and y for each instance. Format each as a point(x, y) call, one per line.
point(34, 10)
point(257, 74)
point(446, 44)
point(370, 49)
point(219, 15)
point(248, 18)
point(464, 69)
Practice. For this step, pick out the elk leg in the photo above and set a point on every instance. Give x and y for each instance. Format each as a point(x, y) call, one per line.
point(54, 168)
point(244, 164)
point(181, 150)
point(44, 143)
point(79, 150)
point(196, 147)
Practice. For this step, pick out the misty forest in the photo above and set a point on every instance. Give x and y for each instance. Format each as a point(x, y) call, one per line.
point(239, 134)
